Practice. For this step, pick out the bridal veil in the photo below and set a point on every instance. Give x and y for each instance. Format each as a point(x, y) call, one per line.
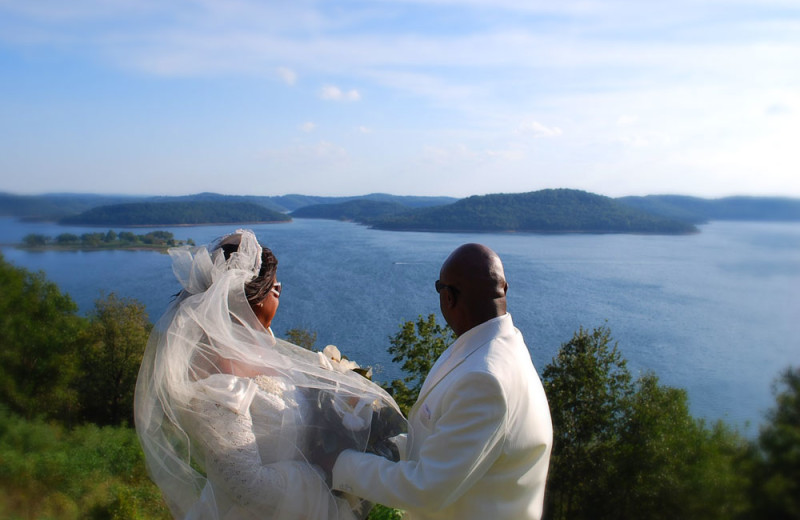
point(233, 421)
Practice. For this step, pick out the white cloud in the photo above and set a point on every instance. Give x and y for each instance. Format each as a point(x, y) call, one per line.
point(324, 150)
point(364, 130)
point(537, 129)
point(308, 126)
point(334, 93)
point(287, 75)
point(635, 141)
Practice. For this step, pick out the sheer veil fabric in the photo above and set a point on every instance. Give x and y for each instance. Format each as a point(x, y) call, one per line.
point(233, 421)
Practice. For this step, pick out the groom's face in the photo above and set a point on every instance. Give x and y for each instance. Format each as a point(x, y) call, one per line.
point(447, 294)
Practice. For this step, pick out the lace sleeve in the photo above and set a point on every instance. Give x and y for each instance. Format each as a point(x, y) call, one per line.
point(286, 489)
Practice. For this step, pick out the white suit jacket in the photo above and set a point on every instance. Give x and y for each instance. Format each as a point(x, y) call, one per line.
point(479, 437)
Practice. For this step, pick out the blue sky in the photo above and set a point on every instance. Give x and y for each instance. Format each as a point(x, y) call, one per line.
point(411, 97)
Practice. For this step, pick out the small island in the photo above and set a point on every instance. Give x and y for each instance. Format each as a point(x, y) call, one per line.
point(154, 240)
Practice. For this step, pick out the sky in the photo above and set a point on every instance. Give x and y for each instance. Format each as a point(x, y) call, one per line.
point(409, 97)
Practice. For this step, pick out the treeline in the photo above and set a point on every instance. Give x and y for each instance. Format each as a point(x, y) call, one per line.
point(110, 239)
point(175, 213)
point(697, 210)
point(53, 206)
point(624, 447)
point(361, 210)
point(545, 211)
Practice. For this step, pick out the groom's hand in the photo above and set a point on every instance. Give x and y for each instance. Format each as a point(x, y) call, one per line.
point(325, 457)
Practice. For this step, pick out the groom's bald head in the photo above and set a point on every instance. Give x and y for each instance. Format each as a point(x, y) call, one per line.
point(473, 287)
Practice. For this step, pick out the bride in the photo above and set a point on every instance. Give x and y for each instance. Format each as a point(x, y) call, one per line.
point(235, 423)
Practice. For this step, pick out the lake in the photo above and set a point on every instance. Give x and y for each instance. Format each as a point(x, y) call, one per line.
point(715, 313)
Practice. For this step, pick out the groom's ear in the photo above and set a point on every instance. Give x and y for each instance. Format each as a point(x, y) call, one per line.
point(450, 297)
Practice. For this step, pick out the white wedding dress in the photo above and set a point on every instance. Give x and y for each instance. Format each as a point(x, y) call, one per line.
point(253, 458)
point(247, 446)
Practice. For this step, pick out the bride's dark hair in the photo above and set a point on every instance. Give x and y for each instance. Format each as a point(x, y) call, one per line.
point(257, 288)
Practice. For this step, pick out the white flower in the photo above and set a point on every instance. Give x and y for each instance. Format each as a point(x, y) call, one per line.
point(331, 358)
point(332, 352)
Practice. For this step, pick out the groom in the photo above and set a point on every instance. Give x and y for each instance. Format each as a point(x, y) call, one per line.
point(480, 433)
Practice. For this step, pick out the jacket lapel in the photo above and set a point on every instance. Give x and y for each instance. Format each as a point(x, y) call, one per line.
point(459, 351)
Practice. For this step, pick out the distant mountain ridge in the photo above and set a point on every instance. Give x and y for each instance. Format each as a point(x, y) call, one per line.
point(176, 213)
point(698, 210)
point(361, 210)
point(547, 211)
point(55, 205)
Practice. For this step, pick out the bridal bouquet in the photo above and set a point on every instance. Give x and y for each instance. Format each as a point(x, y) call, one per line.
point(348, 421)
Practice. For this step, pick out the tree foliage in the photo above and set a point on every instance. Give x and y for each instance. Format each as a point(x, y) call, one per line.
point(417, 346)
point(360, 210)
point(549, 211)
point(776, 487)
point(38, 338)
point(85, 472)
point(302, 337)
point(586, 386)
point(108, 240)
point(109, 357)
point(176, 213)
point(631, 449)
point(60, 365)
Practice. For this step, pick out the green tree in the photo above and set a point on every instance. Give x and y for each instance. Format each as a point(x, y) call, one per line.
point(675, 465)
point(92, 239)
point(35, 240)
point(302, 337)
point(67, 239)
point(625, 449)
point(587, 385)
point(38, 332)
point(110, 354)
point(157, 237)
point(417, 345)
point(127, 236)
point(776, 477)
point(110, 237)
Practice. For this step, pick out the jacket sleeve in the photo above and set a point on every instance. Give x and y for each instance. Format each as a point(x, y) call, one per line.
point(464, 442)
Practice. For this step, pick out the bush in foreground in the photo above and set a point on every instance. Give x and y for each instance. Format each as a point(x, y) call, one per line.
point(49, 471)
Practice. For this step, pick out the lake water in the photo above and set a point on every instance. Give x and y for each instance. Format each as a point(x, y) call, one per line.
point(715, 312)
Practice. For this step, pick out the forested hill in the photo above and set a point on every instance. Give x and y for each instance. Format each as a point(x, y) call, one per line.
point(697, 210)
point(176, 214)
point(57, 205)
point(359, 210)
point(545, 211)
